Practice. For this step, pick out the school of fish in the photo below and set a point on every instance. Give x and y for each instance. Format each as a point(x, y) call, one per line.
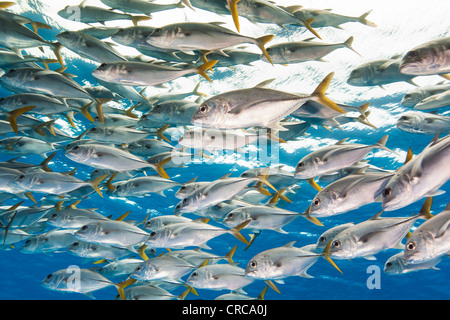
point(125, 152)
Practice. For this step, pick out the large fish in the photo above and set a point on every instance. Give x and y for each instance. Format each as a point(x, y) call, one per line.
point(430, 240)
point(349, 193)
point(435, 101)
point(192, 36)
point(141, 6)
point(372, 236)
point(420, 177)
point(256, 106)
point(432, 57)
point(142, 186)
point(410, 99)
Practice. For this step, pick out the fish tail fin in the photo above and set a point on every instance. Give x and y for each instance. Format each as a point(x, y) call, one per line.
point(307, 215)
point(261, 42)
point(57, 51)
point(44, 164)
point(198, 93)
point(36, 25)
point(183, 295)
point(12, 116)
point(160, 132)
point(94, 184)
point(326, 255)
point(201, 70)
point(382, 144)
point(232, 4)
point(6, 4)
point(122, 285)
point(109, 184)
point(262, 177)
point(229, 255)
point(307, 24)
point(314, 184)
point(136, 19)
point(319, 94)
point(363, 20)
point(236, 231)
point(425, 211)
point(85, 111)
point(272, 286)
point(348, 43)
point(99, 108)
point(129, 111)
point(188, 4)
point(159, 168)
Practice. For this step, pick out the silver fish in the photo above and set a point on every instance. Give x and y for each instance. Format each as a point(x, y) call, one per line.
point(190, 234)
point(96, 251)
point(420, 177)
point(23, 145)
point(430, 240)
point(411, 98)
point(141, 6)
point(283, 262)
point(113, 233)
point(378, 73)
point(134, 73)
point(89, 47)
point(176, 112)
point(157, 222)
point(142, 186)
point(370, 237)
point(423, 122)
point(349, 193)
point(334, 157)
point(219, 277)
point(429, 58)
point(116, 134)
point(306, 50)
point(55, 240)
point(256, 106)
point(151, 292)
point(106, 157)
point(149, 147)
point(397, 265)
point(434, 102)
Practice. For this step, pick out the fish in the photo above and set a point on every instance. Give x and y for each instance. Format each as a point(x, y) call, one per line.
point(378, 73)
point(151, 292)
point(155, 223)
point(429, 58)
point(192, 36)
point(396, 265)
point(419, 177)
point(218, 191)
point(328, 235)
point(264, 217)
point(89, 47)
point(194, 233)
point(306, 50)
point(149, 147)
point(257, 106)
point(55, 182)
point(92, 251)
point(349, 193)
point(115, 233)
point(174, 112)
point(107, 157)
point(53, 241)
point(283, 262)
point(334, 157)
point(411, 98)
point(72, 217)
point(142, 186)
point(116, 134)
point(133, 73)
point(233, 57)
point(434, 102)
point(167, 268)
point(93, 14)
point(326, 18)
point(141, 6)
point(423, 123)
point(22, 145)
point(198, 257)
point(219, 277)
point(429, 241)
point(79, 280)
point(121, 267)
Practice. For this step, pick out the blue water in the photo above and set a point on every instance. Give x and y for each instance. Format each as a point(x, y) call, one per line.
point(21, 274)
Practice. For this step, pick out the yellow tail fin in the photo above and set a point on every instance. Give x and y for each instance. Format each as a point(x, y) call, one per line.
point(201, 70)
point(136, 19)
point(12, 116)
point(94, 184)
point(232, 4)
point(319, 93)
point(261, 42)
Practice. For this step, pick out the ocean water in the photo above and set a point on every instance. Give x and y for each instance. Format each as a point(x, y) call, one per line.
point(401, 26)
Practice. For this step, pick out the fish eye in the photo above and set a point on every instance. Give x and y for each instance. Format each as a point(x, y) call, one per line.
point(139, 268)
point(28, 241)
point(194, 274)
point(76, 244)
point(389, 264)
point(411, 246)
point(317, 202)
point(336, 243)
point(103, 65)
point(387, 192)
point(49, 276)
point(322, 239)
point(153, 234)
point(204, 109)
point(300, 165)
point(21, 176)
point(83, 228)
point(404, 118)
point(253, 264)
point(185, 200)
point(230, 215)
point(412, 54)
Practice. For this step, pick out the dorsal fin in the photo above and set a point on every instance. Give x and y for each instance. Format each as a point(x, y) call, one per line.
point(409, 156)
